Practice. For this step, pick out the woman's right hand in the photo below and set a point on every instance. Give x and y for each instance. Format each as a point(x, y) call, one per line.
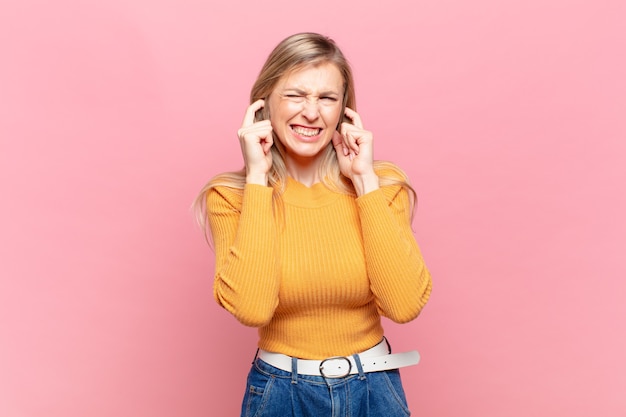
point(256, 141)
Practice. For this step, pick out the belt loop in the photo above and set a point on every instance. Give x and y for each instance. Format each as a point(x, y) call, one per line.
point(359, 366)
point(294, 370)
point(388, 345)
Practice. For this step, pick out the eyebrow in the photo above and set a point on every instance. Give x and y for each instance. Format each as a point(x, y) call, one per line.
point(302, 92)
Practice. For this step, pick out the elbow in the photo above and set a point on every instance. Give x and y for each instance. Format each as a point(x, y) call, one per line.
point(248, 314)
point(254, 319)
point(404, 316)
point(249, 309)
point(413, 306)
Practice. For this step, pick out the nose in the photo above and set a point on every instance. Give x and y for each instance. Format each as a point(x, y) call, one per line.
point(310, 109)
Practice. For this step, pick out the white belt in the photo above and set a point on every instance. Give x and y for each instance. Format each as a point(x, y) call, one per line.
point(375, 359)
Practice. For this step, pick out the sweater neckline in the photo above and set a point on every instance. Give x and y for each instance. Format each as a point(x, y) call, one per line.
point(300, 195)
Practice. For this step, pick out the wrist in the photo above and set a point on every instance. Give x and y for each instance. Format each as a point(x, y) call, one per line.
point(256, 178)
point(365, 183)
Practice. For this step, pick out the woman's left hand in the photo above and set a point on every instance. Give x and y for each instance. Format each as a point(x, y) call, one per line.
point(354, 147)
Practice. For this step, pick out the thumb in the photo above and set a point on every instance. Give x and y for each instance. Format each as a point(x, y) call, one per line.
point(338, 142)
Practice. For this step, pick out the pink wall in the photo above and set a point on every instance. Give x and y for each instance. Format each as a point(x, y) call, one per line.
point(509, 117)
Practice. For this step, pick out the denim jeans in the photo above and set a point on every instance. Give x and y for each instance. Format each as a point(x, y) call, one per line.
point(272, 392)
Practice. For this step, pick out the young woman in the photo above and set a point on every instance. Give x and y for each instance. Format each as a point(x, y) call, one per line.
point(313, 243)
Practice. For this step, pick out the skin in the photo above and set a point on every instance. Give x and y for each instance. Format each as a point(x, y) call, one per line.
point(304, 108)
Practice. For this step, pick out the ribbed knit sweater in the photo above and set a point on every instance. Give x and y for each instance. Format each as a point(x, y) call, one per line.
point(316, 280)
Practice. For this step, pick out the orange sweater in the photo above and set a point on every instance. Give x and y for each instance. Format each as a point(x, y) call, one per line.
point(317, 284)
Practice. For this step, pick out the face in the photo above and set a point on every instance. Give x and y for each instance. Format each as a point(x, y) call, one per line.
point(305, 108)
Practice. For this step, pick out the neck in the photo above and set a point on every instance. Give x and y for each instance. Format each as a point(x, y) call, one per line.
point(304, 170)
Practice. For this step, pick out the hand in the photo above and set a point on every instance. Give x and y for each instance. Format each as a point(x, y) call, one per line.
point(354, 147)
point(256, 141)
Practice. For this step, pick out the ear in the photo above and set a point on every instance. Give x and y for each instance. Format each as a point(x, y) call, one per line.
point(264, 112)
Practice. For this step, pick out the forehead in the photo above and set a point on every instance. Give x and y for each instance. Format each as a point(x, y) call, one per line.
point(321, 77)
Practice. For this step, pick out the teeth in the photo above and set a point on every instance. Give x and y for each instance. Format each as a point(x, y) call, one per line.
point(304, 131)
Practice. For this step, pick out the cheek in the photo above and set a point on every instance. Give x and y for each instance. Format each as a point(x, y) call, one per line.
point(331, 116)
point(284, 110)
point(280, 113)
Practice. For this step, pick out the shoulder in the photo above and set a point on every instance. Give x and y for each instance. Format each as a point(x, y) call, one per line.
point(390, 170)
point(393, 179)
point(221, 198)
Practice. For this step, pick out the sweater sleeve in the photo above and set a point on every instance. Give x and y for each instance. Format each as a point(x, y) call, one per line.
point(399, 279)
point(246, 276)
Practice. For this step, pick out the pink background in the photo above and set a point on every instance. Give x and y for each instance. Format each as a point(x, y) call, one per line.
point(508, 116)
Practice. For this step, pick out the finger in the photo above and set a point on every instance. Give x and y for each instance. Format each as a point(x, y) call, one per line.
point(354, 116)
point(259, 129)
point(262, 126)
point(351, 139)
point(248, 119)
point(339, 143)
point(337, 139)
point(267, 142)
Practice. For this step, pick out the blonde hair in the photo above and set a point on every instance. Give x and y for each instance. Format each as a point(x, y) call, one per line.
point(294, 53)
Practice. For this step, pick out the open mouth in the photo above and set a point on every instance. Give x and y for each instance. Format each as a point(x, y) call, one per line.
point(306, 131)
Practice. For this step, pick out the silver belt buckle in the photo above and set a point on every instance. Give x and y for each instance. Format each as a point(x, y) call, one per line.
point(344, 370)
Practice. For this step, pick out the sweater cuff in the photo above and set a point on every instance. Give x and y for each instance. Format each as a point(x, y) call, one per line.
point(255, 194)
point(372, 200)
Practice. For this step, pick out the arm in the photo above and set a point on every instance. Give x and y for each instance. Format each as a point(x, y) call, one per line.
point(246, 275)
point(398, 276)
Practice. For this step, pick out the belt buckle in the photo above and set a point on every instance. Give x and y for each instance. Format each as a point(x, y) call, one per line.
point(334, 358)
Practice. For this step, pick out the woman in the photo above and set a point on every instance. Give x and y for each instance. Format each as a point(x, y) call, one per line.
point(313, 243)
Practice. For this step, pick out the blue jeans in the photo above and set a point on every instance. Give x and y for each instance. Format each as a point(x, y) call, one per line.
point(272, 392)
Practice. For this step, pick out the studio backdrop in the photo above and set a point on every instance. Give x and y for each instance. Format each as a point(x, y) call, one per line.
point(509, 118)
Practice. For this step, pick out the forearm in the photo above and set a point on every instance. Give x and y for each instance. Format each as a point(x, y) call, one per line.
point(398, 275)
point(364, 184)
point(246, 279)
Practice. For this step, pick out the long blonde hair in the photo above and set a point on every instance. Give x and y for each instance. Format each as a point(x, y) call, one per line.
point(294, 53)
